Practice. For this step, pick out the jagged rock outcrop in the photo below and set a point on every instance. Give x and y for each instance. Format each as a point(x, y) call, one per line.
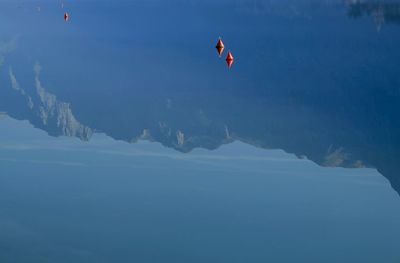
point(42, 109)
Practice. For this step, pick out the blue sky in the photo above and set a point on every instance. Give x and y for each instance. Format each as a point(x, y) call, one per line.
point(65, 200)
point(105, 200)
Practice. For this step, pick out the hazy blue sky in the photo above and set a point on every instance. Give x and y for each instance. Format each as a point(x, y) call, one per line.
point(65, 200)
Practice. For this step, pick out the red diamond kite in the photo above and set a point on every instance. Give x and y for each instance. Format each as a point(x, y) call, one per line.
point(229, 59)
point(220, 47)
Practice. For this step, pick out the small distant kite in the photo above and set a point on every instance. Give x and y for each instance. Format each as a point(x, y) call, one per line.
point(229, 59)
point(220, 47)
point(66, 16)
